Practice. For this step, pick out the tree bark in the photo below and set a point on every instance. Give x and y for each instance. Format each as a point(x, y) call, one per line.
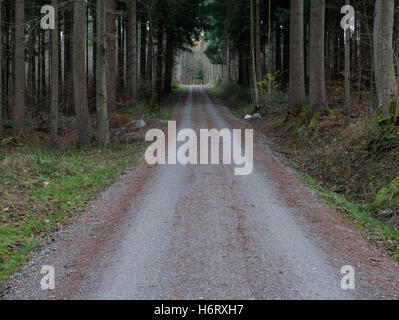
point(269, 46)
point(68, 47)
point(111, 57)
point(253, 58)
point(383, 59)
point(152, 65)
point(143, 49)
point(54, 77)
point(297, 96)
point(79, 74)
point(132, 50)
point(101, 87)
point(120, 54)
point(278, 61)
point(150, 51)
point(228, 60)
point(169, 64)
point(1, 76)
point(19, 67)
point(317, 81)
point(160, 54)
point(347, 108)
point(258, 52)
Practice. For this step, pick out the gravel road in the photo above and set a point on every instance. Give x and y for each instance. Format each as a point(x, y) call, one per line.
point(200, 232)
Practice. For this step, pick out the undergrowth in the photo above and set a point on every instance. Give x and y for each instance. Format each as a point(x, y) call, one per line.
point(360, 216)
point(355, 168)
point(42, 189)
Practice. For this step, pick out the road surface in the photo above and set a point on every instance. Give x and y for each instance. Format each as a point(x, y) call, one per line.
point(200, 232)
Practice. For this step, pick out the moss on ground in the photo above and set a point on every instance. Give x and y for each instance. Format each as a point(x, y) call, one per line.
point(360, 216)
point(388, 197)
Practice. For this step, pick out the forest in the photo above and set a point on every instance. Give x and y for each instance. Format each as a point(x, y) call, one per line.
point(132, 51)
point(99, 55)
point(82, 80)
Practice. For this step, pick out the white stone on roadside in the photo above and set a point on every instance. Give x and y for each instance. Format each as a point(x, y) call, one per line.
point(140, 124)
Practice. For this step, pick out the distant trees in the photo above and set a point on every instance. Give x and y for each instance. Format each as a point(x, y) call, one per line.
point(299, 45)
point(304, 39)
point(100, 54)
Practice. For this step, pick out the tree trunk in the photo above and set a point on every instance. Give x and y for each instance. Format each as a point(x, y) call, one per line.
point(150, 51)
point(383, 64)
point(143, 46)
point(228, 60)
point(317, 81)
point(132, 49)
point(68, 47)
point(1, 75)
point(286, 55)
point(278, 64)
point(159, 62)
point(19, 67)
point(253, 58)
point(111, 57)
point(169, 64)
point(54, 77)
point(258, 52)
point(269, 46)
point(79, 74)
point(121, 54)
point(297, 68)
point(347, 108)
point(101, 87)
point(152, 65)
point(95, 37)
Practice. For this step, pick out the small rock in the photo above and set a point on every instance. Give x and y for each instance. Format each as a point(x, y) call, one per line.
point(140, 124)
point(394, 222)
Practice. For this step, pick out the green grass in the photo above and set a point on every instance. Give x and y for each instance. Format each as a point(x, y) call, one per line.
point(165, 111)
point(41, 189)
point(238, 99)
point(359, 216)
point(234, 96)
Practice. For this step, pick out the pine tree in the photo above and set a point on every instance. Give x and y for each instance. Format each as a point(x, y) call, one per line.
point(79, 74)
point(101, 87)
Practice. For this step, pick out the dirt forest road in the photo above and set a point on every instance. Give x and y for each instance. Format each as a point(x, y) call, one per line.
point(200, 232)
